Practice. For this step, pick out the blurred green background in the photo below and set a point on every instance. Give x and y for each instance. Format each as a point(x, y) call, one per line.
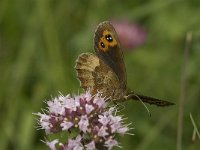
point(41, 39)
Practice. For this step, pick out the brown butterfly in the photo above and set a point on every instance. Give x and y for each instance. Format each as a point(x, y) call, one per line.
point(105, 72)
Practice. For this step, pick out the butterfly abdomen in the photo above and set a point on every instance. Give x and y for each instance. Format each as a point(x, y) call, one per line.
point(148, 99)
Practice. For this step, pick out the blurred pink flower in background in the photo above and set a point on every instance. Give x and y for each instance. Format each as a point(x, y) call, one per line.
point(130, 34)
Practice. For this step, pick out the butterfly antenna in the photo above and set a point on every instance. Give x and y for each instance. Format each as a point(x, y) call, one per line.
point(136, 97)
point(143, 104)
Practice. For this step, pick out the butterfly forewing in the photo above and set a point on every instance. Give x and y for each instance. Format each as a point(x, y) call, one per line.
point(107, 48)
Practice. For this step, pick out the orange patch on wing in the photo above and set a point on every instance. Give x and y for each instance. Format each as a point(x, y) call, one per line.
point(104, 44)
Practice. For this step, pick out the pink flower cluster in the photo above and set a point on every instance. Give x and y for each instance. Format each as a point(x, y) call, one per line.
point(130, 34)
point(95, 123)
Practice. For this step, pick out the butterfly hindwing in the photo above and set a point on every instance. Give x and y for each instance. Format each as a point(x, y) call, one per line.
point(94, 74)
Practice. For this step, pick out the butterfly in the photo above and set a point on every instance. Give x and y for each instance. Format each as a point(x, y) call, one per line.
point(105, 71)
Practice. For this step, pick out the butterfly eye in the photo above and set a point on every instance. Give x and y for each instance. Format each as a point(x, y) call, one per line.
point(102, 45)
point(109, 38)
